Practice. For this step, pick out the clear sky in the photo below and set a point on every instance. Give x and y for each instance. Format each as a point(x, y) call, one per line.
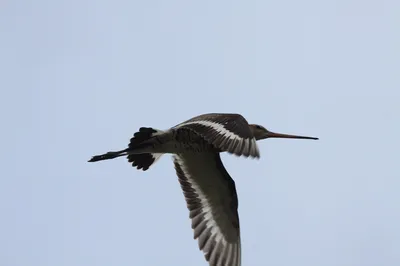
point(78, 78)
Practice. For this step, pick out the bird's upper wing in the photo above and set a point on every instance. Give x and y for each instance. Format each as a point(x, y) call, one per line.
point(211, 198)
point(228, 132)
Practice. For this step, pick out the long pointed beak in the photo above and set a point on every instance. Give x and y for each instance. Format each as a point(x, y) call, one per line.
point(286, 136)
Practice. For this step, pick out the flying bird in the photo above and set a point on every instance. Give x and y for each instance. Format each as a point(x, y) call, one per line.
point(208, 188)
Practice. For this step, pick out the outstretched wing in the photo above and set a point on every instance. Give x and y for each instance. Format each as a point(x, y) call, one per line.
point(228, 132)
point(211, 198)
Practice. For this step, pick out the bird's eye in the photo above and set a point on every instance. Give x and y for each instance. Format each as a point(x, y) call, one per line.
point(258, 127)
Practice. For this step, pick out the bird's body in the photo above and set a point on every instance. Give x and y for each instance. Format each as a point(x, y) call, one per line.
point(209, 190)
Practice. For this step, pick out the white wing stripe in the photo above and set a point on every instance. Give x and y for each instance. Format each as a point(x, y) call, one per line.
point(216, 126)
point(237, 144)
point(219, 245)
point(206, 208)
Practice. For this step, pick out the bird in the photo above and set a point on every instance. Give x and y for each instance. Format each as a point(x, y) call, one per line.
point(208, 189)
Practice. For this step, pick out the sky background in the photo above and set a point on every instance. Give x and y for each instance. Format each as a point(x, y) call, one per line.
point(78, 78)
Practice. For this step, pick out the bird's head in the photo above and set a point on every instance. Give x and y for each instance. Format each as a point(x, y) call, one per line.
point(260, 132)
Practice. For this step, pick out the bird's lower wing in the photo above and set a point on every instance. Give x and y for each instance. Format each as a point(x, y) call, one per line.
point(228, 132)
point(211, 198)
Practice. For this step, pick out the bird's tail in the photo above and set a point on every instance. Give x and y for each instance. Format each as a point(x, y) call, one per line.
point(142, 138)
point(139, 143)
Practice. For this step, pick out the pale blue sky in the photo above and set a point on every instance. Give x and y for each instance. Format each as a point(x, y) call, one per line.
point(78, 78)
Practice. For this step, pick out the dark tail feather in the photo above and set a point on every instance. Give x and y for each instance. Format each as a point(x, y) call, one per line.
point(144, 160)
point(108, 155)
point(140, 140)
